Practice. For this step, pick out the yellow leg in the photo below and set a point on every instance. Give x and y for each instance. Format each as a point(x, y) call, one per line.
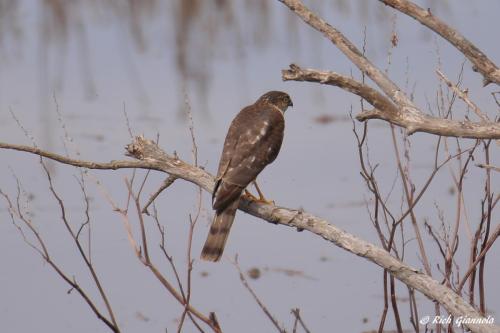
point(250, 196)
point(261, 195)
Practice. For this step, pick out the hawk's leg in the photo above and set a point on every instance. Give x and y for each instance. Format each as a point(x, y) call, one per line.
point(248, 195)
point(261, 197)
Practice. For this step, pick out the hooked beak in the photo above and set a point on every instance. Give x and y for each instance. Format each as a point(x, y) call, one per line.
point(290, 103)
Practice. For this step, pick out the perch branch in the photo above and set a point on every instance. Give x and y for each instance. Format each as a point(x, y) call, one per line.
point(149, 153)
point(415, 121)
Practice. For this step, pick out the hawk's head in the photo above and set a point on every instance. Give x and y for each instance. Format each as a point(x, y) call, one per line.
point(277, 98)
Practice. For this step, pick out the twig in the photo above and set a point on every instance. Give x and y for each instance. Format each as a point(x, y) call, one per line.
point(44, 253)
point(409, 201)
point(142, 258)
point(256, 298)
point(192, 224)
point(296, 313)
point(394, 303)
point(166, 184)
point(170, 259)
point(488, 166)
point(87, 261)
point(489, 243)
point(463, 96)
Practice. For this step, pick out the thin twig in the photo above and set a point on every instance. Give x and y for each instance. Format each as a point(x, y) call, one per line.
point(256, 298)
point(296, 313)
point(488, 166)
point(463, 96)
point(166, 184)
point(16, 212)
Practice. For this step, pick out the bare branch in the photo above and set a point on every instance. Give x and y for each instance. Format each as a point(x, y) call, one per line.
point(488, 166)
point(354, 55)
point(42, 250)
point(79, 246)
point(481, 62)
point(146, 261)
point(416, 121)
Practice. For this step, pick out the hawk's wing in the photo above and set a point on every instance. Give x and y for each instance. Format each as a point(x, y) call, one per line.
point(252, 142)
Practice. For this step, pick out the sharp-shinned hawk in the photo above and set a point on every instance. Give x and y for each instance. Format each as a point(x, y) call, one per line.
point(252, 142)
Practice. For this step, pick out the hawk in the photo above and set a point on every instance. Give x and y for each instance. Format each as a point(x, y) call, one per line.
point(252, 142)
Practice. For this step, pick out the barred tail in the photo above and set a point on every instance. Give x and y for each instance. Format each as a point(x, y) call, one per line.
point(219, 231)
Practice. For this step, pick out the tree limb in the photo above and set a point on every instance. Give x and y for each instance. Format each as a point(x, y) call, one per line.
point(416, 121)
point(351, 51)
point(149, 153)
point(481, 62)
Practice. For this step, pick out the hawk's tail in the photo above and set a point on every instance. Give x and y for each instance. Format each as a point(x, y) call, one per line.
point(219, 231)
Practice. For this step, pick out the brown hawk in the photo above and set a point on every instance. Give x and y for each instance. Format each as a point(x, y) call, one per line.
point(252, 142)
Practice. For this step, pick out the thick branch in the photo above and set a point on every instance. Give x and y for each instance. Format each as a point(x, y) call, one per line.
point(149, 153)
point(350, 50)
point(481, 63)
point(415, 121)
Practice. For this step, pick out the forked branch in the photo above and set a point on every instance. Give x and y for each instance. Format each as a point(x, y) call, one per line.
point(385, 109)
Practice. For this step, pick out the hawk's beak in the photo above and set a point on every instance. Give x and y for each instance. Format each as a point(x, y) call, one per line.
point(290, 103)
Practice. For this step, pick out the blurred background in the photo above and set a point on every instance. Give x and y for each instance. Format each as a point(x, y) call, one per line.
point(75, 75)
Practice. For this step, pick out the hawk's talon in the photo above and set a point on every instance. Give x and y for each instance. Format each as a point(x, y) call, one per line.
point(265, 201)
point(260, 199)
point(250, 196)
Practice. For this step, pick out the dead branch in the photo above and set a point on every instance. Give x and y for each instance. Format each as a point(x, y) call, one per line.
point(481, 62)
point(41, 248)
point(161, 162)
point(488, 166)
point(385, 109)
point(80, 248)
point(355, 56)
point(150, 154)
